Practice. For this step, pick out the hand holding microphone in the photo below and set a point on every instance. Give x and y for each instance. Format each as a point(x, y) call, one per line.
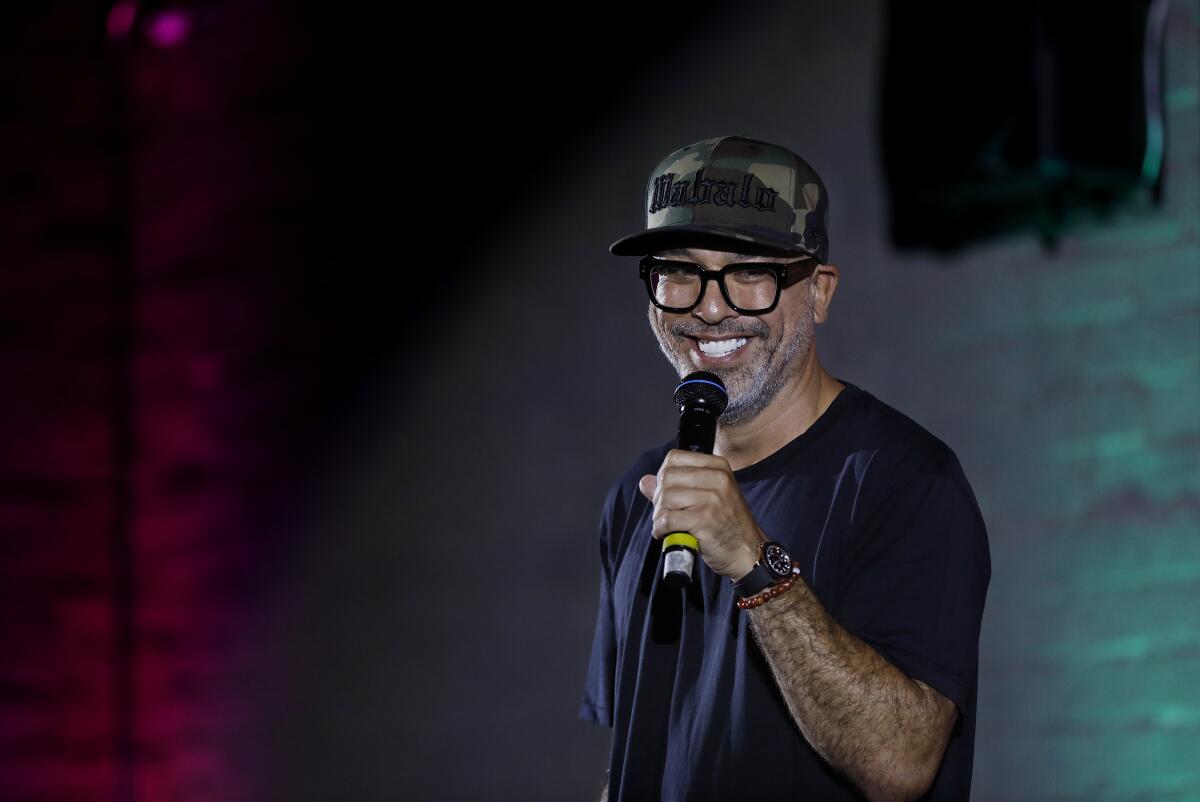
point(698, 507)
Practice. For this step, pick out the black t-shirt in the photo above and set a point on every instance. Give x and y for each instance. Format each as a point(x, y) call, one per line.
point(877, 512)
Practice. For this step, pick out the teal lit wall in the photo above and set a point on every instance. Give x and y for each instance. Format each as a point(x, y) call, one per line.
point(1089, 368)
point(1085, 369)
point(1069, 382)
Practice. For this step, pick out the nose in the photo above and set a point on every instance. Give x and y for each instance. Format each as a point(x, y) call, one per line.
point(712, 308)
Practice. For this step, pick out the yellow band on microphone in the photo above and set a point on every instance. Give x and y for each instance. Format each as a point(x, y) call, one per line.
point(681, 539)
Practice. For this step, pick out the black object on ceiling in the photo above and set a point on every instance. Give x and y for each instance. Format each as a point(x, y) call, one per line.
point(1001, 117)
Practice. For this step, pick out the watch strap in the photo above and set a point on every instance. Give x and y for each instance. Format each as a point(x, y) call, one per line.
point(754, 582)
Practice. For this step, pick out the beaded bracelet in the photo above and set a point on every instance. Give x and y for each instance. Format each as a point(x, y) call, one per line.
point(770, 591)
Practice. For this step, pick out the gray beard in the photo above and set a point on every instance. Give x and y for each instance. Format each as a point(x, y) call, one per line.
point(765, 384)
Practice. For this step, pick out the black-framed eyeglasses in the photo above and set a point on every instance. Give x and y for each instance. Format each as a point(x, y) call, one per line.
point(750, 288)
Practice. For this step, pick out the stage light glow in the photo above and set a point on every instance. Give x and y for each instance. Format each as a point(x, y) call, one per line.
point(120, 19)
point(167, 29)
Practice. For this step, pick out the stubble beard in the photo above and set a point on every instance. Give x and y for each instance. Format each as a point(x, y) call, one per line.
point(757, 381)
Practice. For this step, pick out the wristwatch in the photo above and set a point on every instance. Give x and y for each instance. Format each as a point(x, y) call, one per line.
point(774, 564)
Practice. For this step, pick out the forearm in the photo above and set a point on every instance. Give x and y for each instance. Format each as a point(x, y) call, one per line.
point(883, 730)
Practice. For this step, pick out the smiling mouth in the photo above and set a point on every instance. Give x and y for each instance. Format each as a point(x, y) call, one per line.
point(720, 348)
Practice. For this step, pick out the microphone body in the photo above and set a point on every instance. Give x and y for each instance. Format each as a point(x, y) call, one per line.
point(701, 399)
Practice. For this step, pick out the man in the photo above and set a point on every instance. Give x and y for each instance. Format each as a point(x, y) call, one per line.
point(848, 531)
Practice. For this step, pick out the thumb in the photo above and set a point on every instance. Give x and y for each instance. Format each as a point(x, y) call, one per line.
point(647, 484)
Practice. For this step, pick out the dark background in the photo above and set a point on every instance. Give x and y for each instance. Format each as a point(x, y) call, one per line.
point(316, 370)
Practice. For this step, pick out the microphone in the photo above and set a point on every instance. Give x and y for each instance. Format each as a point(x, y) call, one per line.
point(701, 399)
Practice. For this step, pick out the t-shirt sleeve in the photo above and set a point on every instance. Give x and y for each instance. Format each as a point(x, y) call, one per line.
point(916, 576)
point(596, 704)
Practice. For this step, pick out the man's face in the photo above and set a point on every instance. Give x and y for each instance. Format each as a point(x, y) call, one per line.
point(774, 348)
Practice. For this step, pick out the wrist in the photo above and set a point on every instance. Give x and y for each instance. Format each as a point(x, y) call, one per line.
point(770, 592)
point(742, 569)
point(772, 565)
point(751, 554)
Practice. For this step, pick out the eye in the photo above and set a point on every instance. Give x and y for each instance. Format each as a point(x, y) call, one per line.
point(749, 275)
point(675, 271)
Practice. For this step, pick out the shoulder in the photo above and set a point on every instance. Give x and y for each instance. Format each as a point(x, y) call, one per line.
point(899, 445)
point(903, 454)
point(914, 493)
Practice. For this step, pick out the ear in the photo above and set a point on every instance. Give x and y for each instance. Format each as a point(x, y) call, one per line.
point(825, 282)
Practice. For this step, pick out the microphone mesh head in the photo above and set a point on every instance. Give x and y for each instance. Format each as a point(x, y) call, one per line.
point(702, 389)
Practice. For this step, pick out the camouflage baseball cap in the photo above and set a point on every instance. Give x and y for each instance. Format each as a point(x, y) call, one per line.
point(733, 193)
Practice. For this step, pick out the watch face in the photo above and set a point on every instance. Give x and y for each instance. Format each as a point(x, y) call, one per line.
point(777, 561)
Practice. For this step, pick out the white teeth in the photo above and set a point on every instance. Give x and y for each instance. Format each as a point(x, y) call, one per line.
point(720, 347)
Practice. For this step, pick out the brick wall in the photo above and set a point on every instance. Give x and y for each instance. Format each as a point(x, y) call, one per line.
point(154, 393)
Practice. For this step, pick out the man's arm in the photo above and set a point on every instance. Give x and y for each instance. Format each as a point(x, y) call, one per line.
point(883, 730)
point(604, 792)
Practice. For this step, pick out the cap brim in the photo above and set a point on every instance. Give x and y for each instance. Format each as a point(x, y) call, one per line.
point(764, 242)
